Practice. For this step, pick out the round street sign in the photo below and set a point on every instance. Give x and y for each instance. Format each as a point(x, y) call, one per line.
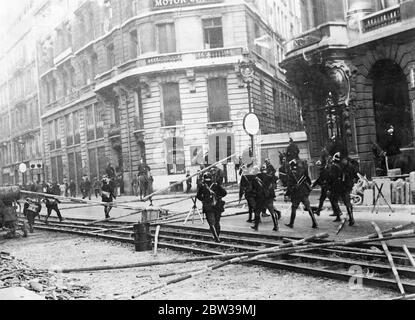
point(251, 124)
point(22, 168)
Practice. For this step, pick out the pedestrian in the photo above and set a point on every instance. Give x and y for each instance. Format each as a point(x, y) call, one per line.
point(299, 189)
point(210, 194)
point(136, 184)
point(72, 189)
point(66, 187)
point(188, 182)
point(86, 188)
point(265, 195)
point(52, 203)
point(150, 183)
point(97, 187)
point(107, 195)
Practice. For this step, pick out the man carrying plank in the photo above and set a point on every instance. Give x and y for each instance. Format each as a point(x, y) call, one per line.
point(210, 194)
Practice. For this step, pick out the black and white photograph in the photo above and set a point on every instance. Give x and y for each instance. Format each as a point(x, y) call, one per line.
point(208, 157)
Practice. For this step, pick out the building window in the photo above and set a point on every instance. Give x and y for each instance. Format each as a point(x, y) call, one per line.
point(166, 38)
point(218, 100)
point(57, 135)
point(133, 44)
point(52, 144)
point(213, 34)
point(99, 116)
point(175, 155)
point(90, 125)
point(94, 65)
point(171, 104)
point(107, 15)
point(97, 162)
point(76, 128)
point(110, 56)
point(221, 146)
point(57, 169)
point(69, 129)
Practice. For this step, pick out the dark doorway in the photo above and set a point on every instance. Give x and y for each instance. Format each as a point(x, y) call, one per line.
point(391, 102)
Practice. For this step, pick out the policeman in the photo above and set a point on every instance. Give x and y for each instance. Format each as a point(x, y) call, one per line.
point(52, 203)
point(246, 189)
point(265, 195)
point(391, 145)
point(107, 195)
point(341, 180)
point(210, 194)
point(299, 189)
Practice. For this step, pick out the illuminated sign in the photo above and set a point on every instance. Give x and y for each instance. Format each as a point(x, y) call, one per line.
point(167, 4)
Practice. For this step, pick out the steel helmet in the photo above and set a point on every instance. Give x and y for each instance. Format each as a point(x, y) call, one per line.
point(207, 177)
point(263, 168)
point(336, 157)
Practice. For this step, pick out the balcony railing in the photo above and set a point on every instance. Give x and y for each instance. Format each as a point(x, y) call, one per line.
point(381, 19)
point(176, 57)
point(73, 96)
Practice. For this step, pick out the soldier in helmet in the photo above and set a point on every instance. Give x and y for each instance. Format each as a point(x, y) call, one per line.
point(342, 175)
point(108, 195)
point(264, 188)
point(246, 189)
point(299, 189)
point(210, 193)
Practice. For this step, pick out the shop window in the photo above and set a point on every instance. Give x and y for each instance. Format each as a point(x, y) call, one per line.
point(175, 156)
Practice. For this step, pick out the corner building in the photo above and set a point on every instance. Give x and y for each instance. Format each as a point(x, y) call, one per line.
point(353, 67)
point(159, 80)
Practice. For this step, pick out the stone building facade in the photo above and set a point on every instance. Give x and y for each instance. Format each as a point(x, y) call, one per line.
point(121, 81)
point(353, 67)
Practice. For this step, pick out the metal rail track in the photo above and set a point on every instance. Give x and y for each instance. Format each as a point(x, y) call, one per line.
point(333, 263)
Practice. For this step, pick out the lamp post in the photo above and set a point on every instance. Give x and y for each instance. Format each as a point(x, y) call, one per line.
point(22, 167)
point(247, 71)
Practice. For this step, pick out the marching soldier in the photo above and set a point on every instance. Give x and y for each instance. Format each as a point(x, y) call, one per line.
point(107, 195)
point(210, 194)
point(341, 181)
point(323, 182)
point(264, 189)
point(250, 195)
point(299, 189)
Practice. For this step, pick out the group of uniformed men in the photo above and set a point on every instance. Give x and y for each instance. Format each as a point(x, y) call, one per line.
point(337, 177)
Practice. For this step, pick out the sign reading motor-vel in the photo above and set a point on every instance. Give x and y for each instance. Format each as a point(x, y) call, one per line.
point(166, 4)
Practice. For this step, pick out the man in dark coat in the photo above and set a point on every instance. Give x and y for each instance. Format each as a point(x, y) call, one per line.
point(210, 194)
point(293, 152)
point(299, 189)
point(86, 188)
point(72, 189)
point(108, 196)
point(263, 186)
point(391, 145)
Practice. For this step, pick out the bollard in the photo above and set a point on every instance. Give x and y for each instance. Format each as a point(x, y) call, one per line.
point(142, 237)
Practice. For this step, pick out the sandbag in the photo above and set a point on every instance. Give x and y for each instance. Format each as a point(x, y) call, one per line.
point(11, 193)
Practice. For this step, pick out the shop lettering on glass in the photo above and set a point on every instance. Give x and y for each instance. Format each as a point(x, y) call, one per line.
point(165, 4)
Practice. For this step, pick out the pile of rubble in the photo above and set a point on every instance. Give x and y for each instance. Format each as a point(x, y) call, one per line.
point(50, 285)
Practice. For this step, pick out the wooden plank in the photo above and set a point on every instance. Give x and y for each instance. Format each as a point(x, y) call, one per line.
point(390, 259)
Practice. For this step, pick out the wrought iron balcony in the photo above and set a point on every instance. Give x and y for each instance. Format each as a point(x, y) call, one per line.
point(381, 19)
